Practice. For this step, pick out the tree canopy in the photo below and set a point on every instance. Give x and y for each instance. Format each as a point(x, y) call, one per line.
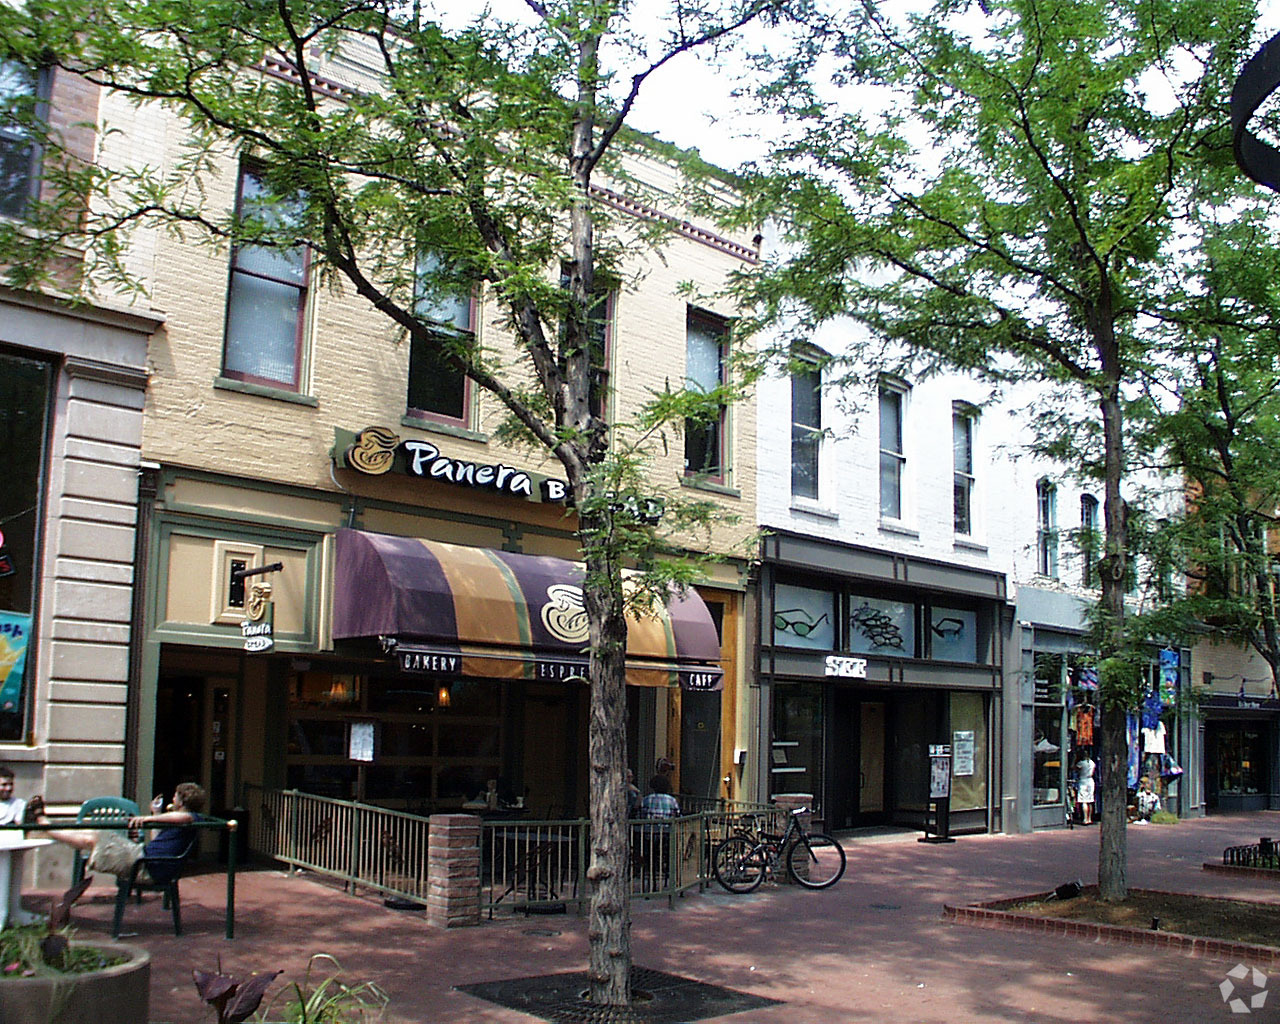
point(1015, 201)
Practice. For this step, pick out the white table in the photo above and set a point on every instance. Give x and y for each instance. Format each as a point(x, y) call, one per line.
point(12, 847)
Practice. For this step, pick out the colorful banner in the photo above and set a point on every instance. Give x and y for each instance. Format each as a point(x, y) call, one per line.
point(15, 632)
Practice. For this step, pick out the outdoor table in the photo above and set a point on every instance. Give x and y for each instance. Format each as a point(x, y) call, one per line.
point(13, 845)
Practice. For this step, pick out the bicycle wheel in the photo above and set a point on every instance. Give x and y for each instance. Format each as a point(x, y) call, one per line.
point(815, 860)
point(738, 865)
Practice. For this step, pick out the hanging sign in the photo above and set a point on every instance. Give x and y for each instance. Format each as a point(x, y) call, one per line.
point(15, 633)
point(258, 629)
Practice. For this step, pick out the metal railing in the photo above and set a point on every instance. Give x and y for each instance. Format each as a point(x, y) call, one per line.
point(1262, 854)
point(358, 844)
point(525, 866)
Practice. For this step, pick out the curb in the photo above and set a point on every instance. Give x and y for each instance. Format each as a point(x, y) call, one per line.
point(1240, 870)
point(988, 915)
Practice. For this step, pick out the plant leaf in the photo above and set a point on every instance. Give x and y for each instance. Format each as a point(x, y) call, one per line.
point(214, 989)
point(249, 995)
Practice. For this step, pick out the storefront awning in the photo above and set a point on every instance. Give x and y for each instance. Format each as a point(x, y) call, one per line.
point(454, 610)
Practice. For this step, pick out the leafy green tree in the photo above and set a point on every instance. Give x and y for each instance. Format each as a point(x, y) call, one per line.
point(1010, 198)
point(485, 147)
point(1215, 421)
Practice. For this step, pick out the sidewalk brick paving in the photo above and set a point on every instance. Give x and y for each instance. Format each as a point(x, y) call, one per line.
point(874, 948)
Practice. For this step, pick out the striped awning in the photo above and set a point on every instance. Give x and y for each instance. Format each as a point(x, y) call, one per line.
point(452, 610)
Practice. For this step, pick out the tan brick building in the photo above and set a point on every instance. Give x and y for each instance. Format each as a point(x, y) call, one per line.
point(259, 380)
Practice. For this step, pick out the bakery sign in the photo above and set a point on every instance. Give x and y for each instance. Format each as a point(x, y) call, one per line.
point(376, 451)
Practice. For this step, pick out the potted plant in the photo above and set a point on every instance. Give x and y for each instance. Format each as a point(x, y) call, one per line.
point(46, 978)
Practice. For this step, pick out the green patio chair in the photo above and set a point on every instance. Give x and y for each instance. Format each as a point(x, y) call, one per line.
point(101, 810)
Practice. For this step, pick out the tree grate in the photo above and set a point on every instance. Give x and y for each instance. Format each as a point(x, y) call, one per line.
point(659, 998)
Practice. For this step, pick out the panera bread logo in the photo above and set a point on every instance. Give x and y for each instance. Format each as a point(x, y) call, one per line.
point(379, 450)
point(565, 614)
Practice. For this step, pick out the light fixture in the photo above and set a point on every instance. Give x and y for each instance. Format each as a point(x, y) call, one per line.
point(338, 690)
point(443, 697)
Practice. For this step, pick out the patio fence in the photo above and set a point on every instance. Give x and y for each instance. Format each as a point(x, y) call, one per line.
point(525, 865)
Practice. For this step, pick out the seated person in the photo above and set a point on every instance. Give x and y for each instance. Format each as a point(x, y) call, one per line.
point(1148, 801)
point(109, 851)
point(11, 807)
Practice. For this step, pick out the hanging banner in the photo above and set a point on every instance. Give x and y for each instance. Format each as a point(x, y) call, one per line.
point(15, 632)
point(1169, 663)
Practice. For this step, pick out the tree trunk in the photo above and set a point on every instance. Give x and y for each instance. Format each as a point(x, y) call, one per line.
point(1113, 838)
point(609, 923)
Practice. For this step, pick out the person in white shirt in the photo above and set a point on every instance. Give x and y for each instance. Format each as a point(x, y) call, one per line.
point(11, 808)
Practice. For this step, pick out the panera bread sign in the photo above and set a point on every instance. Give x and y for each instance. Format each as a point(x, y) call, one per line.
point(376, 451)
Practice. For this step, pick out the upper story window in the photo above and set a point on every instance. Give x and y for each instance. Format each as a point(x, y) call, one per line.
point(1047, 529)
point(806, 429)
point(20, 89)
point(706, 354)
point(438, 388)
point(962, 421)
point(267, 294)
point(599, 339)
point(1089, 540)
point(893, 459)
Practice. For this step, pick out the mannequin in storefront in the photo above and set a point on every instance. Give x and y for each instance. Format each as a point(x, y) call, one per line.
point(1085, 788)
point(1148, 800)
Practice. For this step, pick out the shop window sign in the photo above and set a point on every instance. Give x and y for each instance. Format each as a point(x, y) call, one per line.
point(803, 617)
point(877, 626)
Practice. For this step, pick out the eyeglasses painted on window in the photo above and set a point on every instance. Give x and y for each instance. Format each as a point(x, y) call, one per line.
point(797, 621)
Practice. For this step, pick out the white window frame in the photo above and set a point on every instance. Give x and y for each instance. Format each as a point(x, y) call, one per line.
point(900, 392)
point(1046, 528)
point(962, 413)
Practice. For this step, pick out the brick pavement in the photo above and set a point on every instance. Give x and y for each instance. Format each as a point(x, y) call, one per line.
point(874, 948)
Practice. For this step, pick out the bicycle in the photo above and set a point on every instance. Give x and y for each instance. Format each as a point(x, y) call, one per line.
point(813, 860)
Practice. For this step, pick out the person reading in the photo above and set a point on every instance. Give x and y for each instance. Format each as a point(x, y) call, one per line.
point(110, 851)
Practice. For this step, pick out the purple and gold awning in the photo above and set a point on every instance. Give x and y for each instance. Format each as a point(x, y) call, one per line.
point(464, 611)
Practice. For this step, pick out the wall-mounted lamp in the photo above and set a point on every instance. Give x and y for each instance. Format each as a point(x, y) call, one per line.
point(443, 697)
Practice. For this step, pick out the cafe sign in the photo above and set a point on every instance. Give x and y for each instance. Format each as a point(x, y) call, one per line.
point(376, 451)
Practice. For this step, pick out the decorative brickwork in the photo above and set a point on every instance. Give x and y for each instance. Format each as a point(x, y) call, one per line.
point(453, 871)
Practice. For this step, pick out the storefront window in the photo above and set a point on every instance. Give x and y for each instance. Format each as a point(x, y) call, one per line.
point(1048, 780)
point(953, 634)
point(436, 740)
point(1242, 763)
point(877, 626)
point(796, 753)
point(968, 752)
point(803, 617)
point(1046, 750)
point(24, 407)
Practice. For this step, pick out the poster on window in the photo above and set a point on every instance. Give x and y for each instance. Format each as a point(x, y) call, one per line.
point(15, 632)
point(962, 745)
point(802, 617)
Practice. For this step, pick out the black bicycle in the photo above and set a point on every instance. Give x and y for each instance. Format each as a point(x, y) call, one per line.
point(814, 860)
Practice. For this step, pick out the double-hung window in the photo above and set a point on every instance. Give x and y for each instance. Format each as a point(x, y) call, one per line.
point(1089, 540)
point(706, 351)
point(806, 429)
point(267, 294)
point(962, 418)
point(599, 341)
point(20, 89)
point(893, 459)
point(438, 389)
point(1047, 529)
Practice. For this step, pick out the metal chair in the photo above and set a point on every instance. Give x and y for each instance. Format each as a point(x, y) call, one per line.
point(169, 870)
point(101, 810)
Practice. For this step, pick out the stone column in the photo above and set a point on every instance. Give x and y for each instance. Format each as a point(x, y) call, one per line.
point(453, 871)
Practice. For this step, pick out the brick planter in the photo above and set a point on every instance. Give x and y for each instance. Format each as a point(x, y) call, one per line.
point(991, 915)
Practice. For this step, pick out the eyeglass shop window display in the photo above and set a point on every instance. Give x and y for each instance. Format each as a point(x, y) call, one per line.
point(860, 692)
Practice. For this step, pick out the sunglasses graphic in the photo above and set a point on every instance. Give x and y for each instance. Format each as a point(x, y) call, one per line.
point(948, 628)
point(797, 621)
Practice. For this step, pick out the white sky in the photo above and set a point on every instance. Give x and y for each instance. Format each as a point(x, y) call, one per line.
point(689, 102)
